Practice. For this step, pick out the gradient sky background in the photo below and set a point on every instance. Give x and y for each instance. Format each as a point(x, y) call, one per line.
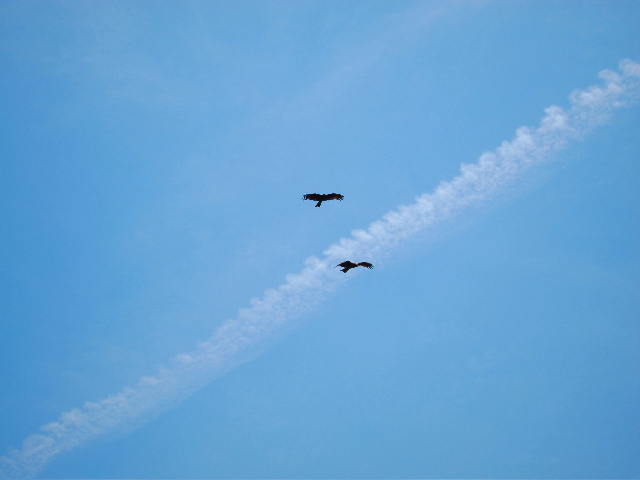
point(153, 159)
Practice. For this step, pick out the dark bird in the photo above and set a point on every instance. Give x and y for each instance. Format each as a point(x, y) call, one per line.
point(346, 266)
point(317, 197)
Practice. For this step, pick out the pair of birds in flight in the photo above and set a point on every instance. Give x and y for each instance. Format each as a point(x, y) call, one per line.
point(317, 197)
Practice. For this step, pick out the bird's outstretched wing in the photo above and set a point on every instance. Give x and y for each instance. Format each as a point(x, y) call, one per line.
point(365, 264)
point(312, 196)
point(346, 264)
point(334, 196)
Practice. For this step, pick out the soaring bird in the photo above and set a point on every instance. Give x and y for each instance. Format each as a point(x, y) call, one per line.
point(317, 197)
point(346, 266)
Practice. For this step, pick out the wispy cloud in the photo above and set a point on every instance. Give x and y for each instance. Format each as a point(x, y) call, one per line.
point(241, 339)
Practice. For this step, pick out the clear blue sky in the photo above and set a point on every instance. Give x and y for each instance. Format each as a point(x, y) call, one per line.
point(153, 157)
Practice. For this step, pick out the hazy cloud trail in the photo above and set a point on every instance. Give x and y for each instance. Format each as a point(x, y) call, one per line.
point(241, 339)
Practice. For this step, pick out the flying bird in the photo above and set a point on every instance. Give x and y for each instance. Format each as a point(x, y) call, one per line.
point(346, 266)
point(317, 197)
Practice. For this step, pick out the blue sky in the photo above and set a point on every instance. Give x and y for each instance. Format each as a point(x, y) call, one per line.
point(154, 156)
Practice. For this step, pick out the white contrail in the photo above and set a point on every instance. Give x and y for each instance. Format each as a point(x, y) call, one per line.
point(241, 339)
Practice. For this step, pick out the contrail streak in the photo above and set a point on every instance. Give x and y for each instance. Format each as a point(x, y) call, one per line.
point(241, 339)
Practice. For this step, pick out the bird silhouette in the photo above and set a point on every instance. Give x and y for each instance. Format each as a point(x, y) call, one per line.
point(318, 197)
point(346, 266)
